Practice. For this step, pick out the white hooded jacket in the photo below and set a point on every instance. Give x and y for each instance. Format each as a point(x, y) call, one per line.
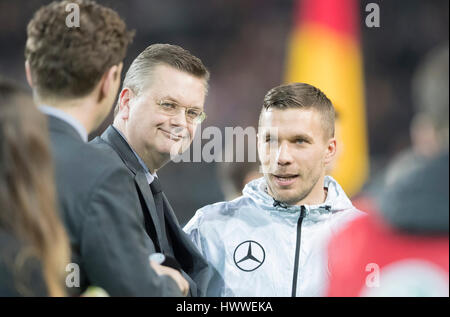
point(264, 248)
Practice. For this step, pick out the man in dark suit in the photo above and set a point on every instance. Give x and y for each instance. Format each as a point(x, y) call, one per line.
point(75, 76)
point(159, 108)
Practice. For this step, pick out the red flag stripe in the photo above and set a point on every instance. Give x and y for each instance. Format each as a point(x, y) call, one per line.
point(338, 15)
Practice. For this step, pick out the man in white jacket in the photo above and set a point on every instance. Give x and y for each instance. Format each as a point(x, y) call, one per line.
point(271, 241)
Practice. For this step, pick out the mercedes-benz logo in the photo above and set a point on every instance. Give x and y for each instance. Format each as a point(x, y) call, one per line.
point(249, 255)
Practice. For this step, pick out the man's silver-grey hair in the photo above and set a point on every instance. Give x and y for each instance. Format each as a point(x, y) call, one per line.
point(140, 71)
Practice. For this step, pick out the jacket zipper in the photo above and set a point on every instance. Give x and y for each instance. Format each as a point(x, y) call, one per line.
point(297, 250)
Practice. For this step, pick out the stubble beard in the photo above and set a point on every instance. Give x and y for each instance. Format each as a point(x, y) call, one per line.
point(297, 196)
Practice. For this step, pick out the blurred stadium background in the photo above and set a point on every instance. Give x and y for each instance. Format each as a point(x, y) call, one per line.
point(247, 45)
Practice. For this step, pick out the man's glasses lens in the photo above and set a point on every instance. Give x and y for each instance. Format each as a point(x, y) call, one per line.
point(192, 114)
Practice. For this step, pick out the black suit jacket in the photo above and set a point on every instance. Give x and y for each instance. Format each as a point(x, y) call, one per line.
point(103, 221)
point(194, 267)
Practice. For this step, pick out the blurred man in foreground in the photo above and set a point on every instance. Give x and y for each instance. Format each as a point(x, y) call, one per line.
point(75, 76)
point(402, 248)
point(271, 240)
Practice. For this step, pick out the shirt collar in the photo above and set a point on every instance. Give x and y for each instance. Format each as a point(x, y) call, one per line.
point(54, 112)
point(150, 177)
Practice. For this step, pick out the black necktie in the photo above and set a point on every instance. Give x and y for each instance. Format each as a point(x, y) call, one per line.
point(156, 189)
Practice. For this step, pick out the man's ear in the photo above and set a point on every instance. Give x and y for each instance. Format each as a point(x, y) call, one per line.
point(28, 74)
point(124, 103)
point(109, 81)
point(110, 78)
point(330, 151)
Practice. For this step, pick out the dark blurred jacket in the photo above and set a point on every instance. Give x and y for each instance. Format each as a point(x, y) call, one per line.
point(20, 272)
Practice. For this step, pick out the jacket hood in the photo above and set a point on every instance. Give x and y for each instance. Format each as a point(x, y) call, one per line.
point(336, 199)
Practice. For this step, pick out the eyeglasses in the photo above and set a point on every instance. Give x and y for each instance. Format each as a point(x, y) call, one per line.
point(193, 115)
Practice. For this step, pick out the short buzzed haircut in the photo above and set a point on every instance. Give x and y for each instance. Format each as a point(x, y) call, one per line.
point(68, 62)
point(302, 96)
point(139, 73)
